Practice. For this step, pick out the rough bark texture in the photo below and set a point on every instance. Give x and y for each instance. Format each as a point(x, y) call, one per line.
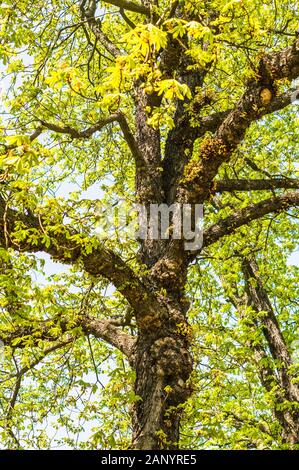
point(163, 363)
point(258, 299)
point(163, 366)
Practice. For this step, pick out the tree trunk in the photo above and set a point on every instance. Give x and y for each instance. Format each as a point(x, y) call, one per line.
point(287, 418)
point(162, 358)
point(290, 424)
point(286, 389)
point(163, 366)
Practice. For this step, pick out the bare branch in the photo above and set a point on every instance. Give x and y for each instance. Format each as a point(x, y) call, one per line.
point(274, 367)
point(244, 216)
point(35, 134)
point(106, 330)
point(269, 371)
point(87, 133)
point(127, 19)
point(129, 138)
point(175, 255)
point(255, 185)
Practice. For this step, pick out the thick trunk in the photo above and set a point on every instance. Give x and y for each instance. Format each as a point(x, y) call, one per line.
point(163, 366)
point(162, 359)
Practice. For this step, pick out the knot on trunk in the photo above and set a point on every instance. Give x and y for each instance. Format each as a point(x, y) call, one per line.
point(173, 365)
point(169, 273)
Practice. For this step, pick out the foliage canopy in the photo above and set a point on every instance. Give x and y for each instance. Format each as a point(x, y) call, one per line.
point(152, 102)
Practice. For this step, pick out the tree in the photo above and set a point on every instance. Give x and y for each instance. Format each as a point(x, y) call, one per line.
point(152, 103)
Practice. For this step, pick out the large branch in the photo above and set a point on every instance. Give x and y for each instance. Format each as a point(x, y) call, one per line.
point(248, 214)
point(102, 329)
point(212, 122)
point(64, 246)
point(255, 185)
point(176, 258)
point(130, 6)
point(88, 14)
point(259, 99)
point(183, 134)
point(106, 330)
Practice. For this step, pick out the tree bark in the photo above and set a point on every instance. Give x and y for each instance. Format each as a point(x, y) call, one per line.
point(163, 366)
point(286, 390)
